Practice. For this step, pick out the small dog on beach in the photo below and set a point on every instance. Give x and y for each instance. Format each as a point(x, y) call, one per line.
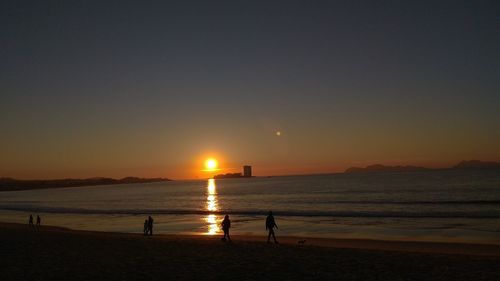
point(301, 242)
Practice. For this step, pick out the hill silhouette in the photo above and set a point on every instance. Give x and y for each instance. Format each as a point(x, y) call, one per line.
point(15, 184)
point(470, 164)
point(477, 164)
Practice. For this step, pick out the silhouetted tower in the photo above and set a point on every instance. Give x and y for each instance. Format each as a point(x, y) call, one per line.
point(247, 171)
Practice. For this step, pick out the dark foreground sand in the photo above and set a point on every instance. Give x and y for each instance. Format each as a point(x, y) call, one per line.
point(61, 254)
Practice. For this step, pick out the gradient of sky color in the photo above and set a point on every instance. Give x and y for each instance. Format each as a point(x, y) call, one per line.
point(152, 88)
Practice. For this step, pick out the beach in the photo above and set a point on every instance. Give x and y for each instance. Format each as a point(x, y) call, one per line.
point(54, 253)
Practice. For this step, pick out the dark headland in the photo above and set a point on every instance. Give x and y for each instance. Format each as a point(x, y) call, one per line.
point(247, 173)
point(230, 176)
point(476, 164)
point(471, 164)
point(8, 184)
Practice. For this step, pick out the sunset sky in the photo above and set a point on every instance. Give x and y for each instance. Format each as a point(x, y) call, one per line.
point(118, 89)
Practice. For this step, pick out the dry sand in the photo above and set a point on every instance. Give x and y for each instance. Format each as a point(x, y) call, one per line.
point(61, 254)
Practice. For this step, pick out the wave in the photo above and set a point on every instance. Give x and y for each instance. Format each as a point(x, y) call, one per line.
point(337, 214)
point(446, 202)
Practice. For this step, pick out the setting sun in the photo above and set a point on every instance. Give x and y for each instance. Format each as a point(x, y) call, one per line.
point(211, 164)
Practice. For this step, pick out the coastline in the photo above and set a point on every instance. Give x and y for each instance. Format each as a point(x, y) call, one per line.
point(10, 184)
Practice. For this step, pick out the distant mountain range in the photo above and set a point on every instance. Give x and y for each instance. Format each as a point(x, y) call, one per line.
point(476, 164)
point(471, 164)
point(14, 184)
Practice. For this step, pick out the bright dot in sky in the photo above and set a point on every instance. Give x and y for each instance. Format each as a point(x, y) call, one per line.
point(278, 133)
point(211, 164)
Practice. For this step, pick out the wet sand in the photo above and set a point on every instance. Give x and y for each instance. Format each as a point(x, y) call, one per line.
point(61, 254)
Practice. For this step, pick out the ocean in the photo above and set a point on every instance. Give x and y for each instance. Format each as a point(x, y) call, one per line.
point(438, 205)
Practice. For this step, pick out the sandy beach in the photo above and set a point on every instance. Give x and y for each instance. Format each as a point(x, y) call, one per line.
point(61, 254)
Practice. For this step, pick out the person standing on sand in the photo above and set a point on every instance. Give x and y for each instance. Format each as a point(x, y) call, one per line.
point(270, 224)
point(30, 223)
point(150, 225)
point(226, 224)
point(38, 221)
point(146, 228)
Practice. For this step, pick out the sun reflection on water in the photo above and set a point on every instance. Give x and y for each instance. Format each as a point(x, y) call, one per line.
point(212, 206)
point(213, 226)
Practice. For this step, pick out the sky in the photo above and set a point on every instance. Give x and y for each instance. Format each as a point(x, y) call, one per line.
point(153, 88)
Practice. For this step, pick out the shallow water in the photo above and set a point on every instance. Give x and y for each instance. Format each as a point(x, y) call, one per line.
point(446, 205)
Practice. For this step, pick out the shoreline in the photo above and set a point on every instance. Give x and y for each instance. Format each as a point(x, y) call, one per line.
point(453, 248)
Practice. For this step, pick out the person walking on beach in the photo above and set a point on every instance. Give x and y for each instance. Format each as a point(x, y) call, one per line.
point(146, 227)
point(226, 224)
point(30, 223)
point(150, 225)
point(38, 221)
point(270, 224)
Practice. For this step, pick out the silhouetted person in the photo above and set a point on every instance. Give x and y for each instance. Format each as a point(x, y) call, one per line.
point(150, 225)
point(146, 228)
point(38, 221)
point(30, 223)
point(270, 224)
point(226, 225)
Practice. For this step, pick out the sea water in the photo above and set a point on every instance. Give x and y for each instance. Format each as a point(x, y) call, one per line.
point(439, 205)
